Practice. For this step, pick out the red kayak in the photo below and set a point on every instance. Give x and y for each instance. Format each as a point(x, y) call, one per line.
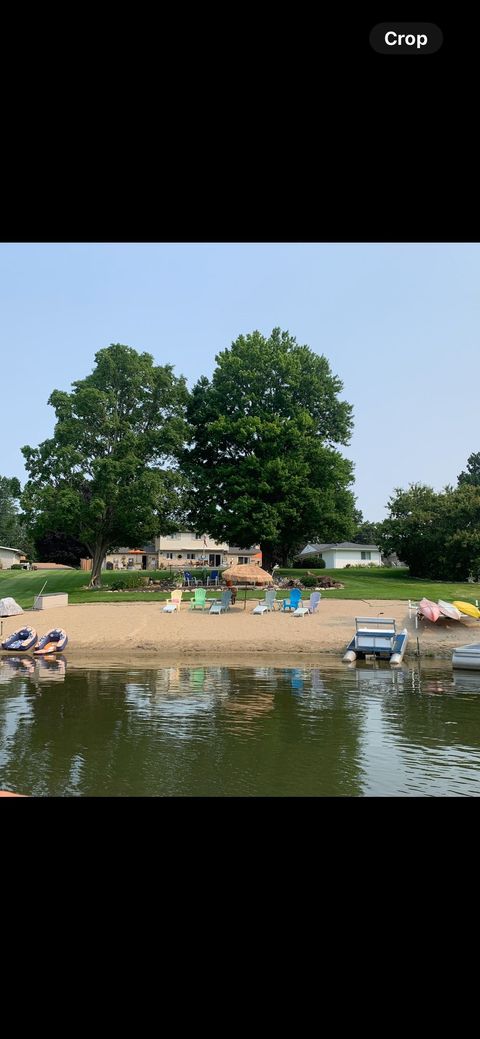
point(429, 609)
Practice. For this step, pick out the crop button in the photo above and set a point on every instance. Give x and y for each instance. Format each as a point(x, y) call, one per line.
point(406, 38)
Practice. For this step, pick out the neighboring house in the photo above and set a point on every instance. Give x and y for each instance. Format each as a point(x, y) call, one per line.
point(339, 555)
point(132, 558)
point(244, 555)
point(181, 551)
point(185, 548)
point(9, 556)
point(127, 559)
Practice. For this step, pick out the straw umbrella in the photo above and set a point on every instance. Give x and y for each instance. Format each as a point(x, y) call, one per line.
point(245, 574)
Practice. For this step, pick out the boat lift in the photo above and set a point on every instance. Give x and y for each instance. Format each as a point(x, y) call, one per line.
point(376, 637)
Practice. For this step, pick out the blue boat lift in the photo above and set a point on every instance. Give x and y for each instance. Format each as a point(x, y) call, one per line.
point(376, 637)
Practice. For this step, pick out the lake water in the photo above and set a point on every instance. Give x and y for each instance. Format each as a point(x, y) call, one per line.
point(207, 731)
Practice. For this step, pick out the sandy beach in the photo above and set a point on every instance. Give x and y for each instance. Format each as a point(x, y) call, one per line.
point(135, 630)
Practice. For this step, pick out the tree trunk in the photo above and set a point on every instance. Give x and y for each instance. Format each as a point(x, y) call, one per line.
point(98, 557)
point(275, 554)
point(268, 557)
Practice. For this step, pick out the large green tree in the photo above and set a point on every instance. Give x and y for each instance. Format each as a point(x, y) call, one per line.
point(412, 529)
point(262, 458)
point(55, 547)
point(436, 533)
point(102, 476)
point(472, 475)
point(13, 529)
point(366, 532)
point(9, 495)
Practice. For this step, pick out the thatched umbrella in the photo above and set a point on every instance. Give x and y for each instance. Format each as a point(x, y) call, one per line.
point(245, 574)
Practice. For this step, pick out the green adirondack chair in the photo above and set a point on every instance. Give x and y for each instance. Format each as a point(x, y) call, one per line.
point(199, 598)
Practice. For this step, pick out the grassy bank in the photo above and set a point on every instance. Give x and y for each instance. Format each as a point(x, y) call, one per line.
point(362, 584)
point(394, 583)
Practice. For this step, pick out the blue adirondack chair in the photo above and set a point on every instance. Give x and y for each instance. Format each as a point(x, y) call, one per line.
point(188, 579)
point(268, 604)
point(213, 578)
point(293, 601)
point(221, 605)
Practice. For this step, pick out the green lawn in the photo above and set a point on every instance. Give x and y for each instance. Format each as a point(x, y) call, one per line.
point(361, 583)
point(394, 583)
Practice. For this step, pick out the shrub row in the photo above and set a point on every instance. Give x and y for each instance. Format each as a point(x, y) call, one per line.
point(132, 580)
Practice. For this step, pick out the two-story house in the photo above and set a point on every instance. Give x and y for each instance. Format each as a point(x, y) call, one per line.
point(186, 548)
point(181, 550)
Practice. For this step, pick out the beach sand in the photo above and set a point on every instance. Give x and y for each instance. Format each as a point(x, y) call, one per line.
point(136, 630)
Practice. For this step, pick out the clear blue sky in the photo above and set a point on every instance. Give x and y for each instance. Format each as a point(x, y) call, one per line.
point(399, 324)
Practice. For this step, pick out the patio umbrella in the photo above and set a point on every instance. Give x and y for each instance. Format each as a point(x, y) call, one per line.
point(245, 574)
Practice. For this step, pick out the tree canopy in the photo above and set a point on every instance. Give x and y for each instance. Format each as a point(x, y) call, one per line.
point(13, 531)
point(472, 475)
point(102, 476)
point(367, 532)
point(9, 495)
point(55, 547)
point(262, 458)
point(436, 533)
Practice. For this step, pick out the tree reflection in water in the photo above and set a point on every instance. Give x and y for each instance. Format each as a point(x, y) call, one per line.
point(219, 730)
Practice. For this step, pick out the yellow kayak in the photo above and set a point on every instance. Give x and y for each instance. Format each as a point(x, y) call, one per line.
point(468, 609)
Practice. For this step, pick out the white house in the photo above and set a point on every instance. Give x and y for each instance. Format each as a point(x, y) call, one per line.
point(337, 556)
point(8, 556)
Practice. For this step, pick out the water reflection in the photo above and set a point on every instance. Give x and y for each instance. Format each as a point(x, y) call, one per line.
point(19, 667)
point(309, 731)
point(466, 681)
point(50, 669)
point(38, 669)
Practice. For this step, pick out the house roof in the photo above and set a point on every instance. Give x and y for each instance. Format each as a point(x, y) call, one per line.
point(8, 549)
point(310, 550)
point(51, 566)
point(126, 551)
point(236, 548)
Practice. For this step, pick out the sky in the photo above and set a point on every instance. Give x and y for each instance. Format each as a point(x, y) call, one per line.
point(398, 322)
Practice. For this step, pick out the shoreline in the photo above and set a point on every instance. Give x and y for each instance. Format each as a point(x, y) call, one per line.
point(142, 630)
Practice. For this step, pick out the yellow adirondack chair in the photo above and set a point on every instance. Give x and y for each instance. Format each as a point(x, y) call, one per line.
point(173, 603)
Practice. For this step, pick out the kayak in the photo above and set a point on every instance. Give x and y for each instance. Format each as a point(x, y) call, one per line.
point(449, 610)
point(468, 609)
point(429, 609)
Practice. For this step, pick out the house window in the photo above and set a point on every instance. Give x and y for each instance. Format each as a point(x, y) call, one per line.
point(366, 555)
point(191, 555)
point(243, 559)
point(168, 555)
